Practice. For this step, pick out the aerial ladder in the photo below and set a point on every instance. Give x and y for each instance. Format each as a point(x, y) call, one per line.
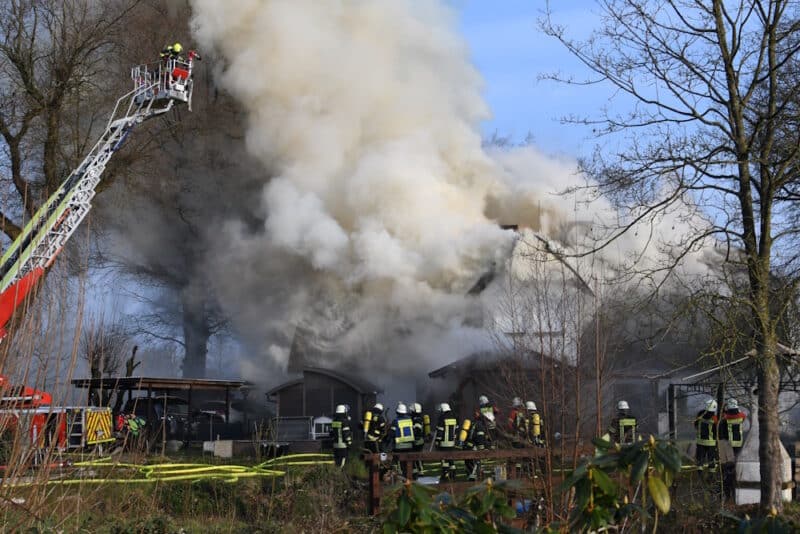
point(157, 88)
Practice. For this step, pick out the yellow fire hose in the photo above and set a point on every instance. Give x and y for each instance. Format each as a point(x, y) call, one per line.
point(170, 472)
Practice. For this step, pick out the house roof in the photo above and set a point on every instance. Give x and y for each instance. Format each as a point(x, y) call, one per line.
point(353, 380)
point(481, 361)
point(361, 385)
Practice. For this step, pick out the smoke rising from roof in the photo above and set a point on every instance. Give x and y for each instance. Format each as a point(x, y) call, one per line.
point(381, 206)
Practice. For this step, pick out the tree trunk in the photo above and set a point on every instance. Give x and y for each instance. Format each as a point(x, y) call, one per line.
point(769, 452)
point(196, 332)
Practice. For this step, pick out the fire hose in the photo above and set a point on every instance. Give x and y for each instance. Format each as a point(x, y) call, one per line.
point(171, 472)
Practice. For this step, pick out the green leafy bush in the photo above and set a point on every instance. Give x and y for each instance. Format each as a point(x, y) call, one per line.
point(616, 485)
point(483, 508)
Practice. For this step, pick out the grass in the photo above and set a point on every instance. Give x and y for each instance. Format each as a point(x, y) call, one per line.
point(308, 499)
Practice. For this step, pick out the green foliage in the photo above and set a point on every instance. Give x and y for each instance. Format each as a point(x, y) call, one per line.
point(771, 524)
point(605, 487)
point(355, 468)
point(482, 509)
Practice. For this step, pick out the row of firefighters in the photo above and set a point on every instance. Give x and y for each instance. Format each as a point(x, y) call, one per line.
point(411, 430)
point(711, 428)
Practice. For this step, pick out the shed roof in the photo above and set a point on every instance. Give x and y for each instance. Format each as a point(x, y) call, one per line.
point(164, 384)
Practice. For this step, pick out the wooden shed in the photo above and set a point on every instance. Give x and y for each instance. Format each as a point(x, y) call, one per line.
point(318, 392)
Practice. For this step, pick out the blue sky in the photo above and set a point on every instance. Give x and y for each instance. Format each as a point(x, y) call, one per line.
point(510, 52)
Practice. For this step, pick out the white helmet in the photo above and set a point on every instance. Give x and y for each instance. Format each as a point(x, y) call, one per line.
point(341, 408)
point(623, 405)
point(483, 399)
point(444, 407)
point(378, 406)
point(416, 408)
point(516, 402)
point(732, 404)
point(402, 409)
point(530, 405)
point(711, 405)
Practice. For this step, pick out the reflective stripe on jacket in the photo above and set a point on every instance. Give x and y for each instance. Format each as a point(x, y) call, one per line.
point(446, 431)
point(735, 433)
point(403, 433)
point(627, 430)
point(706, 431)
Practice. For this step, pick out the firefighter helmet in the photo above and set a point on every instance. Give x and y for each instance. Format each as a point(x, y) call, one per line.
point(711, 405)
point(483, 399)
point(416, 408)
point(623, 405)
point(530, 405)
point(516, 402)
point(341, 408)
point(444, 407)
point(732, 404)
point(402, 409)
point(177, 48)
point(378, 406)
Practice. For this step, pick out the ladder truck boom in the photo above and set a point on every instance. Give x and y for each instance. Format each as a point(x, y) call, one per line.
point(157, 88)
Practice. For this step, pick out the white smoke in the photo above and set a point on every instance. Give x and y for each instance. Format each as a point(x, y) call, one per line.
point(367, 113)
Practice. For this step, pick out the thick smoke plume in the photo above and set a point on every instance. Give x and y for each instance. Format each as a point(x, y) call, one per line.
point(380, 204)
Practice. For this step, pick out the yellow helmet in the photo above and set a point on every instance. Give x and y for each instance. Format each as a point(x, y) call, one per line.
point(177, 48)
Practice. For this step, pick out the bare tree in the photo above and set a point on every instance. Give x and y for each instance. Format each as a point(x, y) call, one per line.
point(53, 69)
point(705, 87)
point(104, 347)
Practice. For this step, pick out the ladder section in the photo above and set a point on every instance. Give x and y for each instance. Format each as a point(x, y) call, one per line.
point(75, 425)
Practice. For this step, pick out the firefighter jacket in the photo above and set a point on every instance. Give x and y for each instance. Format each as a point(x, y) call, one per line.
point(518, 425)
point(374, 425)
point(731, 427)
point(624, 428)
point(490, 409)
point(446, 429)
point(341, 434)
point(419, 429)
point(402, 433)
point(706, 425)
point(534, 427)
point(478, 437)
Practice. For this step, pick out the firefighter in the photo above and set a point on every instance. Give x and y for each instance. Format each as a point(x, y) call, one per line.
point(731, 427)
point(402, 434)
point(374, 427)
point(341, 435)
point(706, 425)
point(623, 429)
point(422, 429)
point(731, 431)
point(534, 424)
point(172, 51)
point(445, 439)
point(476, 440)
point(517, 424)
point(487, 407)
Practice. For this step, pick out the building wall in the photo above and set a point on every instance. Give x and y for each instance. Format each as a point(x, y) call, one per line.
point(318, 394)
point(290, 401)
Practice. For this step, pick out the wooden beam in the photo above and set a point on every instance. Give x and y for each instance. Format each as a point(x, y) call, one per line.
point(531, 452)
